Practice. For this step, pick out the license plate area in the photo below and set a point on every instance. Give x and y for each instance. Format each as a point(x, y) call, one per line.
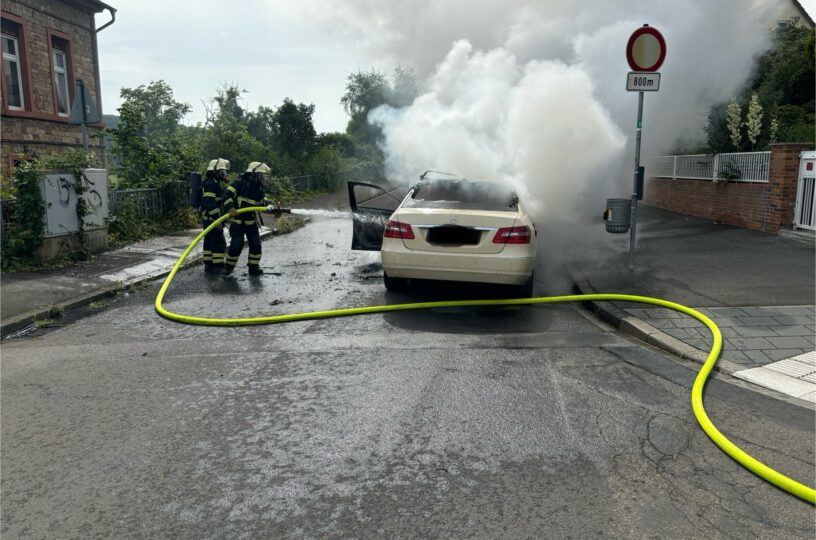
point(453, 235)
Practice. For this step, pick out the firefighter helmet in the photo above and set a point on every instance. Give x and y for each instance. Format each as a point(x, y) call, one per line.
point(258, 167)
point(219, 164)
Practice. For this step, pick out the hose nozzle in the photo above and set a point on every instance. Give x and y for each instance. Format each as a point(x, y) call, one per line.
point(277, 210)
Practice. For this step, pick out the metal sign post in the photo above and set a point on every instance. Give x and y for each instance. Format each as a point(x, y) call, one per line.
point(633, 220)
point(645, 53)
point(83, 111)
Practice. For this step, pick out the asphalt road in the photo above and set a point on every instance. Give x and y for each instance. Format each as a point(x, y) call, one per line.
point(529, 422)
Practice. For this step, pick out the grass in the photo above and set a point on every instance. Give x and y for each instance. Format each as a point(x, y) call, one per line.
point(116, 289)
point(43, 323)
point(138, 285)
point(288, 223)
point(53, 311)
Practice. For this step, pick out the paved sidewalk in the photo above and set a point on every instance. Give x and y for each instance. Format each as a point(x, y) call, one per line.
point(26, 297)
point(794, 376)
point(751, 335)
point(758, 288)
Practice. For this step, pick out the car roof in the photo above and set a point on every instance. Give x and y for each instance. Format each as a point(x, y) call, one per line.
point(462, 194)
point(453, 183)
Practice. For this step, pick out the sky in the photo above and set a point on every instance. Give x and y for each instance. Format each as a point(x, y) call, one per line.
point(273, 49)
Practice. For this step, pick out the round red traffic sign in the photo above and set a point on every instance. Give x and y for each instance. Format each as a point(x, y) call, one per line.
point(646, 49)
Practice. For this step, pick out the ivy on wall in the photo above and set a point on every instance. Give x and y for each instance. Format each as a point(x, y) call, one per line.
point(23, 232)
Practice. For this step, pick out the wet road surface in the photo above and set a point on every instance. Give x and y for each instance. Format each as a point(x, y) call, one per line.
point(525, 422)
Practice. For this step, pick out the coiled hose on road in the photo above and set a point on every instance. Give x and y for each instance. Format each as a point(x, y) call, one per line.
point(760, 469)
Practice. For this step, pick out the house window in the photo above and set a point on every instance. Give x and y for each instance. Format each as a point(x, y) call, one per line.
point(12, 73)
point(59, 62)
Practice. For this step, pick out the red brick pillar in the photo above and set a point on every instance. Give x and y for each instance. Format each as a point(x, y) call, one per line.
point(783, 175)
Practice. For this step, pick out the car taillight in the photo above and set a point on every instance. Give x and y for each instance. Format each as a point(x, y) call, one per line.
point(395, 229)
point(513, 235)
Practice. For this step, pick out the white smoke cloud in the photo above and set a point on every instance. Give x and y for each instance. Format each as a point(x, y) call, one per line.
point(487, 116)
point(533, 93)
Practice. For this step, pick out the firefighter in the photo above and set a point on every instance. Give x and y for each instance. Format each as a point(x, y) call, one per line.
point(212, 188)
point(248, 190)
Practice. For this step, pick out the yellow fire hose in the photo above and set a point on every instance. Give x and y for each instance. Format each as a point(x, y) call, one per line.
point(760, 469)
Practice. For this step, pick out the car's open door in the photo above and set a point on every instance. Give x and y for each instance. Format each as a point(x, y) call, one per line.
point(371, 206)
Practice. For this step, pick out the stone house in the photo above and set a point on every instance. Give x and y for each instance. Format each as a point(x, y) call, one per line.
point(47, 45)
point(783, 12)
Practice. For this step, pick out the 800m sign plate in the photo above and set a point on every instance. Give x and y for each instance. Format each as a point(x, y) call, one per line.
point(639, 81)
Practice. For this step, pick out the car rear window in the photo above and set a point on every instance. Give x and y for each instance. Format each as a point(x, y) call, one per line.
point(462, 194)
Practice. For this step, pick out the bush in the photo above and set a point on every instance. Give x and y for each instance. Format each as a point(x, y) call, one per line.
point(24, 224)
point(326, 164)
point(796, 124)
point(126, 225)
point(280, 189)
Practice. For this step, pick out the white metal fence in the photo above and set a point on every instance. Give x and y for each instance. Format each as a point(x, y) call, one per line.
point(738, 167)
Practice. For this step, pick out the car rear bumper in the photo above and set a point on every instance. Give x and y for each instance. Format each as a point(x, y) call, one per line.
point(510, 267)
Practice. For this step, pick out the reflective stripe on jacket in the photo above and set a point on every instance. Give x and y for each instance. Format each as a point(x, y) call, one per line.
point(241, 194)
point(212, 190)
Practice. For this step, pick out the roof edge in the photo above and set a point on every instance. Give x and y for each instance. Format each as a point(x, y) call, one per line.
point(95, 6)
point(804, 12)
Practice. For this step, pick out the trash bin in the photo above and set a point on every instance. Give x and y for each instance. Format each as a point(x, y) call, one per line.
point(619, 212)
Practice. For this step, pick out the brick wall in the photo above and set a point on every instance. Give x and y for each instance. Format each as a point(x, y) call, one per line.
point(783, 178)
point(762, 207)
point(41, 131)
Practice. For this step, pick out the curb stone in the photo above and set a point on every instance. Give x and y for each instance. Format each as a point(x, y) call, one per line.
point(609, 312)
point(647, 333)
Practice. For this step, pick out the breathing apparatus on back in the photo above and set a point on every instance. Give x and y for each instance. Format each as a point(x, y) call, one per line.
point(217, 168)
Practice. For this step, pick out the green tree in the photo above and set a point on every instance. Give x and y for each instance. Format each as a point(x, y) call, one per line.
point(228, 100)
point(404, 87)
point(325, 163)
point(783, 82)
point(294, 132)
point(785, 74)
point(718, 138)
point(148, 142)
point(226, 133)
point(341, 141)
point(367, 90)
point(261, 125)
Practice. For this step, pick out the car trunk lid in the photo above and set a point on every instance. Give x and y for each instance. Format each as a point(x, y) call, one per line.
point(455, 231)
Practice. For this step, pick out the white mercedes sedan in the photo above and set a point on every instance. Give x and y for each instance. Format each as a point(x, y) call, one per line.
point(446, 229)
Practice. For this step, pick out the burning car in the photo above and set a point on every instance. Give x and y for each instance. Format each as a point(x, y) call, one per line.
point(449, 229)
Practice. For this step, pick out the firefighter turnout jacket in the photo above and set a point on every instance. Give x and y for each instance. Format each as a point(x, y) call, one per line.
point(212, 192)
point(243, 193)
